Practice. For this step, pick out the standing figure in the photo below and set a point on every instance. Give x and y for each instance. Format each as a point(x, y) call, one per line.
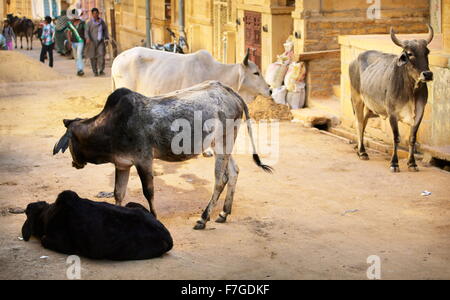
point(60, 35)
point(75, 30)
point(8, 33)
point(3, 43)
point(48, 41)
point(96, 34)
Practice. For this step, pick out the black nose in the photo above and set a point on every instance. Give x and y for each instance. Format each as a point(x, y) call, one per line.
point(270, 92)
point(428, 75)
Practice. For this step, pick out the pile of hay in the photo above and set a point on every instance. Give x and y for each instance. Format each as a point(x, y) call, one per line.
point(266, 109)
point(17, 67)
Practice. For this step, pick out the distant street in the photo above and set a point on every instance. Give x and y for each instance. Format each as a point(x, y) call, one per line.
point(319, 216)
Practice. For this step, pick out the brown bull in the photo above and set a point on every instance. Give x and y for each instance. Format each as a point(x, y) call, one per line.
point(22, 27)
point(393, 87)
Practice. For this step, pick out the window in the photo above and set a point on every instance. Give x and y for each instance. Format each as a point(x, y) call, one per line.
point(168, 9)
point(290, 3)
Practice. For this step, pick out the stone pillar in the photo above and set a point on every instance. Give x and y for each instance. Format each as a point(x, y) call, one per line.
point(2, 10)
point(446, 24)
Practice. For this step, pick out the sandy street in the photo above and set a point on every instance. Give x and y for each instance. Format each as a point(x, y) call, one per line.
point(319, 216)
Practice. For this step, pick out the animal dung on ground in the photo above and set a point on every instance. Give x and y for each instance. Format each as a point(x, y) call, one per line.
point(266, 109)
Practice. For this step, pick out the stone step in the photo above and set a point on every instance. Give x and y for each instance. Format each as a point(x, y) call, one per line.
point(315, 117)
point(321, 112)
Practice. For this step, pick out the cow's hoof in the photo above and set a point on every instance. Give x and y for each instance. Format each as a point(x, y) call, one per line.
point(200, 225)
point(221, 219)
point(395, 169)
point(363, 156)
point(413, 169)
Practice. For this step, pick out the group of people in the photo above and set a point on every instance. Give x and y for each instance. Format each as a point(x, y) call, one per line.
point(85, 38)
point(88, 38)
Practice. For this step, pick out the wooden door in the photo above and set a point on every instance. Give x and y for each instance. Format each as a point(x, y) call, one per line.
point(253, 35)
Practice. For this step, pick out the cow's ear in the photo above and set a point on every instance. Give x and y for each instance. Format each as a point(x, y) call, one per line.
point(402, 60)
point(63, 143)
point(26, 230)
point(67, 122)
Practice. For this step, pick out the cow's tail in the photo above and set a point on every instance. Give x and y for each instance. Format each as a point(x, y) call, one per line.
point(256, 158)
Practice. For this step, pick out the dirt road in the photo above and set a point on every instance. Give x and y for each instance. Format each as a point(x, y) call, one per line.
point(320, 216)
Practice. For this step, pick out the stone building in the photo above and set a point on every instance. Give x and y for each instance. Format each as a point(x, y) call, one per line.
point(2, 9)
point(319, 23)
point(227, 28)
point(18, 7)
point(218, 26)
point(33, 9)
point(327, 35)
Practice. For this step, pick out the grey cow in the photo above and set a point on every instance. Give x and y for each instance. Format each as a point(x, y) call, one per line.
point(133, 130)
point(393, 87)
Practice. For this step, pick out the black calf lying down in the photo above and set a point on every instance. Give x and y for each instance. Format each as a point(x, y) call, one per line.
point(97, 230)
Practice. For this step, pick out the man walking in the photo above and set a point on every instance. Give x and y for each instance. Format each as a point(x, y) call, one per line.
point(48, 40)
point(60, 34)
point(76, 29)
point(96, 34)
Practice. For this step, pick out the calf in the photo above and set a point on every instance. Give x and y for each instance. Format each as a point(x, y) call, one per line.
point(393, 87)
point(96, 230)
point(133, 129)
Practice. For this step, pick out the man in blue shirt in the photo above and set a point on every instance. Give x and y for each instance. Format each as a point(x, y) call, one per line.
point(48, 40)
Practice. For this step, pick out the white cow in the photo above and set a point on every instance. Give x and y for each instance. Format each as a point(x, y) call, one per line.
point(151, 73)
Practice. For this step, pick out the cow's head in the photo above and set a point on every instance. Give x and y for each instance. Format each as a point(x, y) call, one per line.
point(251, 82)
point(71, 140)
point(34, 224)
point(415, 56)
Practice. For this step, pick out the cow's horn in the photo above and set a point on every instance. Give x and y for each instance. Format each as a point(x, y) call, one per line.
point(430, 34)
point(395, 39)
point(247, 57)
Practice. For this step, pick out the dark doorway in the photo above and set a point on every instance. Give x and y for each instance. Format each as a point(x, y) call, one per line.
point(253, 35)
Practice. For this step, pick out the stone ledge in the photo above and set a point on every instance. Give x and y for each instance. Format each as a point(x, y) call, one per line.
point(369, 142)
point(441, 60)
point(437, 152)
point(312, 55)
point(312, 117)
